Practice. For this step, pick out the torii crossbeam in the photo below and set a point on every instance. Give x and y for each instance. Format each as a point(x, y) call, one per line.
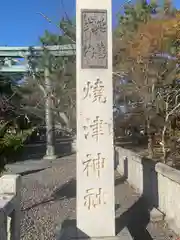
point(8, 54)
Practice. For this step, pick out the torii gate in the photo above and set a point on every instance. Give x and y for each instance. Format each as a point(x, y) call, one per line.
point(9, 55)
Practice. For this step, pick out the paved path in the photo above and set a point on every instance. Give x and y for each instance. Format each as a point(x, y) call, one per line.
point(48, 198)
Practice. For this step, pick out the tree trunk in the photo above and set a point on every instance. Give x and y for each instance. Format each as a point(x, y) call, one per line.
point(164, 143)
point(50, 148)
point(150, 139)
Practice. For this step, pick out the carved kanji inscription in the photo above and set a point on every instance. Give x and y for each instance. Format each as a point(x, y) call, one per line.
point(94, 39)
point(94, 198)
point(95, 91)
point(93, 165)
point(96, 128)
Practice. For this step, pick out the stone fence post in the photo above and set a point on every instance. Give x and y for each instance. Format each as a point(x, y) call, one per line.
point(10, 199)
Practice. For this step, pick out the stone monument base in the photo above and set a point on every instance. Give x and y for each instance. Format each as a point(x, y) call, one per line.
point(71, 233)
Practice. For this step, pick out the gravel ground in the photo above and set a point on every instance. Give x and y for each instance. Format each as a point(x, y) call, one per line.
point(46, 204)
point(43, 207)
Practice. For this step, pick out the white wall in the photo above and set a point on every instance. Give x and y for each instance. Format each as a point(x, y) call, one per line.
point(169, 194)
point(159, 183)
point(131, 167)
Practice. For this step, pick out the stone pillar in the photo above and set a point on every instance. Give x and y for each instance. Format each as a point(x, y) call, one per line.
point(95, 151)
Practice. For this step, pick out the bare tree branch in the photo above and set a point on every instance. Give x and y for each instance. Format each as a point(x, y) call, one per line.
point(50, 21)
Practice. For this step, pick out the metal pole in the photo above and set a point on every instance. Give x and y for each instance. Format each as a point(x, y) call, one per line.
point(50, 143)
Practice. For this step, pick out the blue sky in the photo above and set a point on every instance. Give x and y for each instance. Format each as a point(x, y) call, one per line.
point(21, 25)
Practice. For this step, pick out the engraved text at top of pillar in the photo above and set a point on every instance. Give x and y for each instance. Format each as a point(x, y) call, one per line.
point(94, 39)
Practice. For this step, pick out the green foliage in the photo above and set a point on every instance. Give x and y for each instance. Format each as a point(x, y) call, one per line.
point(9, 100)
point(11, 143)
point(48, 37)
point(135, 13)
point(67, 36)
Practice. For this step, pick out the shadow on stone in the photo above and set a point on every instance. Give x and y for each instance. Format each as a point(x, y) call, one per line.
point(117, 206)
point(120, 180)
point(67, 190)
point(116, 159)
point(150, 183)
point(32, 171)
point(137, 217)
point(126, 168)
point(69, 231)
point(136, 220)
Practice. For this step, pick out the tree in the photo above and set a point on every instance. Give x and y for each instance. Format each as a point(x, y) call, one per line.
point(164, 41)
point(62, 76)
point(11, 142)
point(146, 36)
point(13, 130)
point(9, 101)
point(134, 15)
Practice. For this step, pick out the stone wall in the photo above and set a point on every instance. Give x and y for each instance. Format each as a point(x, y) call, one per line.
point(157, 182)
